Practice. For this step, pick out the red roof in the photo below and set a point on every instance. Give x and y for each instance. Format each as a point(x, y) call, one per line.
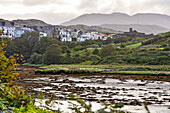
point(103, 34)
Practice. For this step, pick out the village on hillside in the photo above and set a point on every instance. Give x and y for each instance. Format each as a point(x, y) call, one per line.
point(13, 31)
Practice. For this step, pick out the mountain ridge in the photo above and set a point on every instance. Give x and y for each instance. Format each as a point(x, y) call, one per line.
point(160, 20)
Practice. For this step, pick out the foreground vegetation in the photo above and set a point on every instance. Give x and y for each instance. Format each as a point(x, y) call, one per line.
point(11, 97)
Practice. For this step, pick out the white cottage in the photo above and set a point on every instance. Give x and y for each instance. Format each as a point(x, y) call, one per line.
point(8, 29)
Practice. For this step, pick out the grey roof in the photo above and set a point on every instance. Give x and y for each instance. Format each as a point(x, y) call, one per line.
point(18, 28)
point(6, 24)
point(46, 28)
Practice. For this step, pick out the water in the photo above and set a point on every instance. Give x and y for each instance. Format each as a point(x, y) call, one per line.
point(104, 89)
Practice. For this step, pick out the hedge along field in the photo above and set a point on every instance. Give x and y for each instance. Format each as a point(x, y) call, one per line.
point(104, 69)
point(104, 66)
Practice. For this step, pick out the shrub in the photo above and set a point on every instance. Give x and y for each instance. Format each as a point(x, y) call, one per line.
point(80, 48)
point(36, 59)
point(12, 96)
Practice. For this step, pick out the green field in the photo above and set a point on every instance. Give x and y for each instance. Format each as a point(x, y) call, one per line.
point(106, 69)
point(134, 45)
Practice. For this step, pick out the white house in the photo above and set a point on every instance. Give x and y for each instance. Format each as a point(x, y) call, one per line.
point(83, 38)
point(27, 29)
point(21, 30)
point(42, 34)
point(103, 36)
point(66, 39)
point(65, 35)
point(18, 32)
point(93, 35)
point(8, 29)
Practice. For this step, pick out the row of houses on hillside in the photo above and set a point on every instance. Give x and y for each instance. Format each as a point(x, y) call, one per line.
point(11, 31)
point(69, 34)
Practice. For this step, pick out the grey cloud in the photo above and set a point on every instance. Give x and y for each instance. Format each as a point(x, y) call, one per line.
point(88, 6)
point(154, 6)
point(88, 3)
point(9, 2)
point(119, 6)
point(42, 2)
point(98, 6)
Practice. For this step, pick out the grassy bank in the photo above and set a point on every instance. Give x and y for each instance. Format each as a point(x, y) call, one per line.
point(137, 73)
point(128, 72)
point(113, 67)
point(105, 69)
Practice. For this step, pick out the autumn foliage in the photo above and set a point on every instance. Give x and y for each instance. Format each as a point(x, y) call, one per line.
point(10, 95)
point(7, 65)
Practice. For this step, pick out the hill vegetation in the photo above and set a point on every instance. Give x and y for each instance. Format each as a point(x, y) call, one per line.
point(92, 29)
point(122, 50)
point(30, 22)
point(149, 29)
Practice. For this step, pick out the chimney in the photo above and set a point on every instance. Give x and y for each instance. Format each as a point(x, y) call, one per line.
point(130, 29)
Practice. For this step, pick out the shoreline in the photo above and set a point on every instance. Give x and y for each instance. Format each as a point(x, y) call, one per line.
point(29, 72)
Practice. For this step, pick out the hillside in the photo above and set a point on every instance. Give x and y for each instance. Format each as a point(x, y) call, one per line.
point(35, 22)
point(159, 41)
point(141, 28)
point(2, 20)
point(30, 22)
point(122, 19)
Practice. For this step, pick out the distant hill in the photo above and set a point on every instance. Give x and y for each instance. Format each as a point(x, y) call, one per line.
point(30, 22)
point(98, 19)
point(2, 20)
point(122, 19)
point(92, 28)
point(35, 22)
point(141, 28)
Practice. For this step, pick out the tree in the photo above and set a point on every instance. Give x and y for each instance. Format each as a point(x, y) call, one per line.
point(32, 39)
point(107, 51)
point(12, 98)
point(96, 52)
point(44, 43)
point(52, 55)
point(26, 45)
point(36, 59)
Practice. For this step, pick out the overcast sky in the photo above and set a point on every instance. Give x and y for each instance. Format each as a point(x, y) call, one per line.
point(58, 11)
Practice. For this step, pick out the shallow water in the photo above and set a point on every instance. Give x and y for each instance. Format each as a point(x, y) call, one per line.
point(101, 89)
